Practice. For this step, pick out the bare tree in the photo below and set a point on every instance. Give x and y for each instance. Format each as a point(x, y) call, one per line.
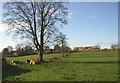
point(57, 48)
point(61, 39)
point(35, 21)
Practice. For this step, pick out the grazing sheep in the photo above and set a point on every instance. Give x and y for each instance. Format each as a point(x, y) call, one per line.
point(16, 62)
point(13, 62)
point(32, 62)
point(27, 61)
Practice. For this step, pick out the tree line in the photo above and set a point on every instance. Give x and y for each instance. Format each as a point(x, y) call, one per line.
point(28, 50)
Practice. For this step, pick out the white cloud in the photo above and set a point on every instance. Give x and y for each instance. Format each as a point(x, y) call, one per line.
point(76, 14)
point(89, 17)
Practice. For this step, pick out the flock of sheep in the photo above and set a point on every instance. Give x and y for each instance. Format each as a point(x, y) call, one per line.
point(33, 62)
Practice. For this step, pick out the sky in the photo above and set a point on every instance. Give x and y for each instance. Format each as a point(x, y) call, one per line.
point(89, 23)
point(92, 23)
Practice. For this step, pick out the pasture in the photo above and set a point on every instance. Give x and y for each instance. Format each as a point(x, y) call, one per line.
point(79, 66)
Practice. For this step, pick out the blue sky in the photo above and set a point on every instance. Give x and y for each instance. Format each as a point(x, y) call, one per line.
point(92, 23)
point(89, 23)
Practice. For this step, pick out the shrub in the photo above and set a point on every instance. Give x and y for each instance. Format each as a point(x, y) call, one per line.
point(5, 51)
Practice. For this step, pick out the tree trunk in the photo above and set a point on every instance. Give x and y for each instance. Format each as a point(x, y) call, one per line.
point(41, 56)
point(42, 34)
point(62, 50)
point(41, 48)
point(40, 53)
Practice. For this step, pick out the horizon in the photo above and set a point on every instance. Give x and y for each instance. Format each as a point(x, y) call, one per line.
point(89, 24)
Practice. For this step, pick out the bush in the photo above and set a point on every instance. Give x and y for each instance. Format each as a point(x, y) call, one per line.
point(25, 51)
point(5, 52)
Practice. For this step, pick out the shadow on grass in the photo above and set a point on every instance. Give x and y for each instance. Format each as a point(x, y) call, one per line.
point(95, 62)
point(20, 55)
point(11, 70)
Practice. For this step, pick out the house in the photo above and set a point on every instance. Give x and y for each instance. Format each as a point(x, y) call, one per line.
point(86, 48)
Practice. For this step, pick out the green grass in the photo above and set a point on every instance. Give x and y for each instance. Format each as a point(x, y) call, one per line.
point(82, 66)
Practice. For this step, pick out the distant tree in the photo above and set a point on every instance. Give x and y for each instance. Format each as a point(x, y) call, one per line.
point(26, 50)
point(57, 49)
point(20, 51)
point(46, 49)
point(97, 46)
point(10, 49)
point(19, 46)
point(35, 21)
point(5, 52)
point(114, 46)
point(66, 49)
point(61, 39)
point(76, 48)
point(29, 50)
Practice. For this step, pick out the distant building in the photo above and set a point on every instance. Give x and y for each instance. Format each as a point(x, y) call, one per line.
point(86, 48)
point(115, 46)
point(78, 48)
point(92, 47)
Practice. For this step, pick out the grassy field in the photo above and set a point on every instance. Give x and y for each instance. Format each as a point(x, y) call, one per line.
point(81, 66)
